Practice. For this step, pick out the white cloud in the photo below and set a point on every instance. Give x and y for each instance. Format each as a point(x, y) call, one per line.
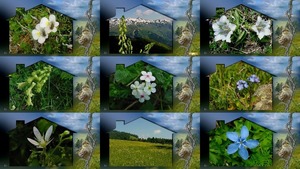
point(148, 12)
point(157, 131)
point(139, 13)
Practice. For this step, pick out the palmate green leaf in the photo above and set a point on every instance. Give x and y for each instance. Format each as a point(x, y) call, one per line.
point(213, 158)
point(123, 76)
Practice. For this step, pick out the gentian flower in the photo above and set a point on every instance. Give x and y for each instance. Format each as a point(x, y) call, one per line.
point(240, 143)
point(241, 84)
point(41, 141)
point(254, 79)
point(223, 29)
point(262, 27)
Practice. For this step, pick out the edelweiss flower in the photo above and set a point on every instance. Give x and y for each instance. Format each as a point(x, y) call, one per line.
point(262, 27)
point(240, 143)
point(143, 96)
point(241, 84)
point(137, 88)
point(147, 76)
point(39, 34)
point(49, 24)
point(254, 79)
point(41, 141)
point(150, 88)
point(223, 29)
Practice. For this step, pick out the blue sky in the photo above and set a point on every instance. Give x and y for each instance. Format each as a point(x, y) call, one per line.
point(269, 7)
point(272, 121)
point(73, 121)
point(274, 65)
point(74, 65)
point(69, 6)
point(174, 8)
point(174, 65)
point(142, 12)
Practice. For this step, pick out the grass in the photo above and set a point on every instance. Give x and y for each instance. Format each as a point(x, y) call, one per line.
point(195, 161)
point(94, 163)
point(294, 163)
point(195, 104)
point(95, 48)
point(195, 47)
point(94, 106)
point(280, 51)
point(294, 107)
point(135, 153)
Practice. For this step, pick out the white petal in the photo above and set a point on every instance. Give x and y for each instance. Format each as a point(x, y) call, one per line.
point(54, 29)
point(143, 73)
point(223, 18)
point(56, 24)
point(52, 18)
point(41, 40)
point(35, 34)
point(48, 133)
point(33, 142)
point(44, 22)
point(37, 134)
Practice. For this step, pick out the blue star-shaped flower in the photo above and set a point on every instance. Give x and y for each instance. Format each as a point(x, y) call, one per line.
point(241, 84)
point(240, 143)
point(254, 79)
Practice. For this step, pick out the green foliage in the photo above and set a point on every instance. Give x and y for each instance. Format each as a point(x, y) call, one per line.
point(94, 162)
point(280, 51)
point(120, 94)
point(138, 154)
point(20, 32)
point(40, 87)
point(194, 163)
point(243, 40)
point(259, 156)
point(224, 94)
point(124, 42)
point(295, 104)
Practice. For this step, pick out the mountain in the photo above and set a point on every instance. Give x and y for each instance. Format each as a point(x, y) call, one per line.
point(144, 31)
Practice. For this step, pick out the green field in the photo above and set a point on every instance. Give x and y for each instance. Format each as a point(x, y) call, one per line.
point(279, 51)
point(194, 106)
point(294, 163)
point(135, 153)
point(94, 106)
point(294, 107)
point(94, 163)
point(194, 163)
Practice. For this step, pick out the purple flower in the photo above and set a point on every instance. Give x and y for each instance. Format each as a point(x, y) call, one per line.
point(254, 79)
point(241, 84)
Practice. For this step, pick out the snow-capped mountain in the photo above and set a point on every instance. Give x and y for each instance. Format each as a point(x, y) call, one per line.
point(135, 21)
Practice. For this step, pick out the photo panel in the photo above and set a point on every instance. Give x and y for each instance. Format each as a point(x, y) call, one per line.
point(49, 83)
point(49, 139)
point(147, 140)
point(147, 83)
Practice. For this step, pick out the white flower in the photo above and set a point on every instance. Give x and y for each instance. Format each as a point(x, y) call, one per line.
point(262, 27)
point(147, 76)
point(150, 88)
point(49, 24)
point(40, 141)
point(39, 34)
point(143, 96)
point(223, 29)
point(137, 88)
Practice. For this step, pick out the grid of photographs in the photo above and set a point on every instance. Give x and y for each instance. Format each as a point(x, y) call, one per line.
point(116, 84)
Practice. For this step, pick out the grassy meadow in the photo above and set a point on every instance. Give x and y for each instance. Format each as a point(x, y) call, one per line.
point(294, 163)
point(94, 163)
point(194, 106)
point(294, 107)
point(94, 106)
point(194, 50)
point(139, 154)
point(279, 51)
point(194, 163)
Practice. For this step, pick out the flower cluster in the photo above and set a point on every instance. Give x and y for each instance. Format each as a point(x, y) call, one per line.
point(241, 143)
point(241, 84)
point(46, 26)
point(142, 91)
point(223, 29)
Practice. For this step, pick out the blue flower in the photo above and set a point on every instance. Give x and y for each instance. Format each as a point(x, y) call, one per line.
point(254, 79)
point(240, 143)
point(241, 84)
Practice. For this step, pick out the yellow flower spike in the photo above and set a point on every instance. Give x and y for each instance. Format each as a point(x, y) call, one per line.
point(21, 85)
